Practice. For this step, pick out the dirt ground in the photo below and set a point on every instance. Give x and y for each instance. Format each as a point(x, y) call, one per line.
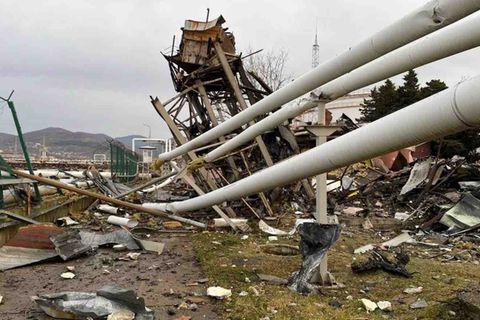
point(165, 281)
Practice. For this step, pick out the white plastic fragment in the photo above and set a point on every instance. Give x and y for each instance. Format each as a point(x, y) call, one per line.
point(272, 238)
point(68, 275)
point(243, 294)
point(384, 305)
point(403, 237)
point(133, 255)
point(262, 225)
point(413, 290)
point(218, 292)
point(364, 249)
point(369, 305)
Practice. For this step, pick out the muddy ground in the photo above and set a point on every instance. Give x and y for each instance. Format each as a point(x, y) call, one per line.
point(165, 281)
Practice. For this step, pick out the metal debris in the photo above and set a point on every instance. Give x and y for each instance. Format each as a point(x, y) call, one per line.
point(315, 240)
point(108, 300)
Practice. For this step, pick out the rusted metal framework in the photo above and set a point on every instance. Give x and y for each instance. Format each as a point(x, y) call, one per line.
point(213, 86)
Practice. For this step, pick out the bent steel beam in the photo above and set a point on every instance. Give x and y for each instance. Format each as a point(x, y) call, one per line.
point(430, 17)
point(457, 38)
point(445, 113)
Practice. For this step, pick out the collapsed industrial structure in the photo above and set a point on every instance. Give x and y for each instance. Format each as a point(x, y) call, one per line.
point(238, 159)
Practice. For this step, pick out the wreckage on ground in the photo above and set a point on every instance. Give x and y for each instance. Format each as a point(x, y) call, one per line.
point(245, 164)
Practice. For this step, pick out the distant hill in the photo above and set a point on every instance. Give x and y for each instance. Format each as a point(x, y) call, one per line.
point(60, 143)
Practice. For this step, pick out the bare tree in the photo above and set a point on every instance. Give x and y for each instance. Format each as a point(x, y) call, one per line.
point(269, 66)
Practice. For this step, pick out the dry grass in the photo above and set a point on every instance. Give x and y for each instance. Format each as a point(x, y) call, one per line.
point(229, 263)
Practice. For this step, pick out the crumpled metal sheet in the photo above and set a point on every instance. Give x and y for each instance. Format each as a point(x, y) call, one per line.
point(116, 237)
point(464, 214)
point(14, 257)
point(69, 244)
point(418, 174)
point(81, 305)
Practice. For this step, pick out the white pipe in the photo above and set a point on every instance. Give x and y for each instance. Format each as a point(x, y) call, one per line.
point(123, 222)
point(64, 174)
point(459, 37)
point(447, 112)
point(430, 17)
point(108, 208)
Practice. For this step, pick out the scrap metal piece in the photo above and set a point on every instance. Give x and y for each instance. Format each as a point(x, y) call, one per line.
point(315, 240)
point(464, 214)
point(31, 244)
point(69, 244)
point(80, 305)
point(418, 174)
point(378, 260)
point(116, 237)
point(14, 257)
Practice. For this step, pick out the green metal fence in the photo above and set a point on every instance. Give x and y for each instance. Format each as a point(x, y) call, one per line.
point(123, 162)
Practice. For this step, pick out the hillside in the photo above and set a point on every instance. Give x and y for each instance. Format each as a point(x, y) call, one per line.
point(60, 143)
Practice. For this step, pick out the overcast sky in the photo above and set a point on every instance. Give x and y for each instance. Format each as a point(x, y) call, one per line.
point(91, 65)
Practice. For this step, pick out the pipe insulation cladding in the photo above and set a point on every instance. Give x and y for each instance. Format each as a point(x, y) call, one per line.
point(450, 111)
point(432, 16)
point(454, 39)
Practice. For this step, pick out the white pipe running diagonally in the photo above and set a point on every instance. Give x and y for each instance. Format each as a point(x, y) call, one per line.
point(432, 16)
point(454, 39)
point(447, 112)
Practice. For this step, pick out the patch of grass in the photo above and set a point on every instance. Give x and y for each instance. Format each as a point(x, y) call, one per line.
point(227, 261)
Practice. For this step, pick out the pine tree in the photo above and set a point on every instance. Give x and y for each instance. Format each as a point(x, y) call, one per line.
point(409, 92)
point(433, 87)
point(383, 101)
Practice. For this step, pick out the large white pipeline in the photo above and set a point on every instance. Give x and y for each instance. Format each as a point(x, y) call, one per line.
point(447, 112)
point(454, 39)
point(430, 17)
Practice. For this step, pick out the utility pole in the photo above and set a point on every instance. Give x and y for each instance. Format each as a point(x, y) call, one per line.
point(11, 105)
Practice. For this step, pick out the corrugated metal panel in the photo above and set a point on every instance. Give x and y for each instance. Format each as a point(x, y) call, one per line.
point(35, 236)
